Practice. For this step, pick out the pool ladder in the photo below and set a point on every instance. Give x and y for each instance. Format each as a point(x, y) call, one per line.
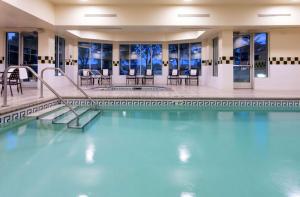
point(73, 115)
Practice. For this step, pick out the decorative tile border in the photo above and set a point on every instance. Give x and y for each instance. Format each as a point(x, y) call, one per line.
point(22, 113)
point(116, 63)
point(284, 60)
point(205, 103)
point(206, 62)
point(70, 62)
point(46, 60)
point(225, 60)
point(2, 60)
point(165, 63)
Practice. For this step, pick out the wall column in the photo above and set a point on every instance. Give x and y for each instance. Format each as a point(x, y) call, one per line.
point(71, 55)
point(46, 55)
point(2, 50)
point(165, 66)
point(206, 63)
point(116, 77)
point(226, 60)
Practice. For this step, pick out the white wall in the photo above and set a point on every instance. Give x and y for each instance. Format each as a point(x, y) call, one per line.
point(283, 43)
point(224, 80)
point(38, 8)
point(221, 16)
point(281, 77)
point(2, 49)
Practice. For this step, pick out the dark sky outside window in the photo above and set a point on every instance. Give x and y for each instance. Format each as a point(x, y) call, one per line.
point(140, 58)
point(124, 59)
point(189, 57)
point(12, 39)
point(261, 55)
point(95, 56)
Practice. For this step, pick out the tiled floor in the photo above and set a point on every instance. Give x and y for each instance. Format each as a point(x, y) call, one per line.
point(32, 94)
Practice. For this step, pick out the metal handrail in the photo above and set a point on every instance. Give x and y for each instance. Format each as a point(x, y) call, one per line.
point(42, 82)
point(64, 74)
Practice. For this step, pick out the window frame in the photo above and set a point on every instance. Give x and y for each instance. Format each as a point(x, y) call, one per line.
point(151, 52)
point(268, 55)
point(215, 62)
point(190, 55)
point(89, 47)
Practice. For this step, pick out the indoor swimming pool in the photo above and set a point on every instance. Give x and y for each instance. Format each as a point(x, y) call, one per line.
point(150, 152)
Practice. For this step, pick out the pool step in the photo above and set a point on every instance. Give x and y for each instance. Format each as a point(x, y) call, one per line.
point(62, 115)
point(84, 119)
point(45, 111)
point(70, 116)
point(55, 114)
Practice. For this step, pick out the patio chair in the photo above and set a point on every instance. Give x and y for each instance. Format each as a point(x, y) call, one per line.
point(96, 76)
point(85, 75)
point(193, 75)
point(131, 76)
point(13, 80)
point(106, 76)
point(173, 77)
point(149, 76)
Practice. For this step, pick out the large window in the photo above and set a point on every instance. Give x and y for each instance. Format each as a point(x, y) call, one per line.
point(59, 53)
point(95, 56)
point(184, 57)
point(30, 51)
point(215, 56)
point(22, 48)
point(12, 48)
point(141, 57)
point(261, 55)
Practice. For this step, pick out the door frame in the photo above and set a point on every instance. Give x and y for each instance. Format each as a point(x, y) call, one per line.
point(247, 85)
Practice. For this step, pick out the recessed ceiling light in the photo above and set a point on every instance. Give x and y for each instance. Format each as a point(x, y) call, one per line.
point(187, 0)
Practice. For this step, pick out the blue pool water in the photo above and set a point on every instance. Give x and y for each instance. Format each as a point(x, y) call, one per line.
point(155, 153)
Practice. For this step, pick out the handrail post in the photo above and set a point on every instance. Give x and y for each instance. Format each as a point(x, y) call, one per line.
point(70, 80)
point(42, 81)
point(42, 85)
point(5, 87)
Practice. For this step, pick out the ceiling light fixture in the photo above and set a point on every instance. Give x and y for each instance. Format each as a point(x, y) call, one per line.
point(274, 15)
point(100, 15)
point(194, 15)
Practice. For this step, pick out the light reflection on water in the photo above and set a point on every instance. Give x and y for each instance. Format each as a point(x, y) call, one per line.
point(184, 153)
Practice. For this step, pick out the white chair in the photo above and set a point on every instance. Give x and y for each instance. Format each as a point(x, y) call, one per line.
point(85, 75)
point(105, 76)
point(173, 77)
point(131, 76)
point(149, 76)
point(193, 76)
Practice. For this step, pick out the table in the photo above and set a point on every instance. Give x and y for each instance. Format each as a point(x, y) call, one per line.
point(183, 77)
point(139, 78)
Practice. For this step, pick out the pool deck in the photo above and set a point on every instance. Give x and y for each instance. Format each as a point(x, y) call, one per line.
point(31, 95)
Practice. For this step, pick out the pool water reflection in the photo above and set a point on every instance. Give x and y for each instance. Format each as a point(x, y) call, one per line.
point(162, 153)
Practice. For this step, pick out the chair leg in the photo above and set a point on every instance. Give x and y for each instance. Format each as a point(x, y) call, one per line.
point(21, 88)
point(11, 93)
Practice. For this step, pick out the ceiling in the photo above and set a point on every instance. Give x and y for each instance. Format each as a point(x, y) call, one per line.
point(12, 18)
point(174, 2)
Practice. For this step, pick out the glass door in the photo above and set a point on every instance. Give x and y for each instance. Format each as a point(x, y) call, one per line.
point(242, 68)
